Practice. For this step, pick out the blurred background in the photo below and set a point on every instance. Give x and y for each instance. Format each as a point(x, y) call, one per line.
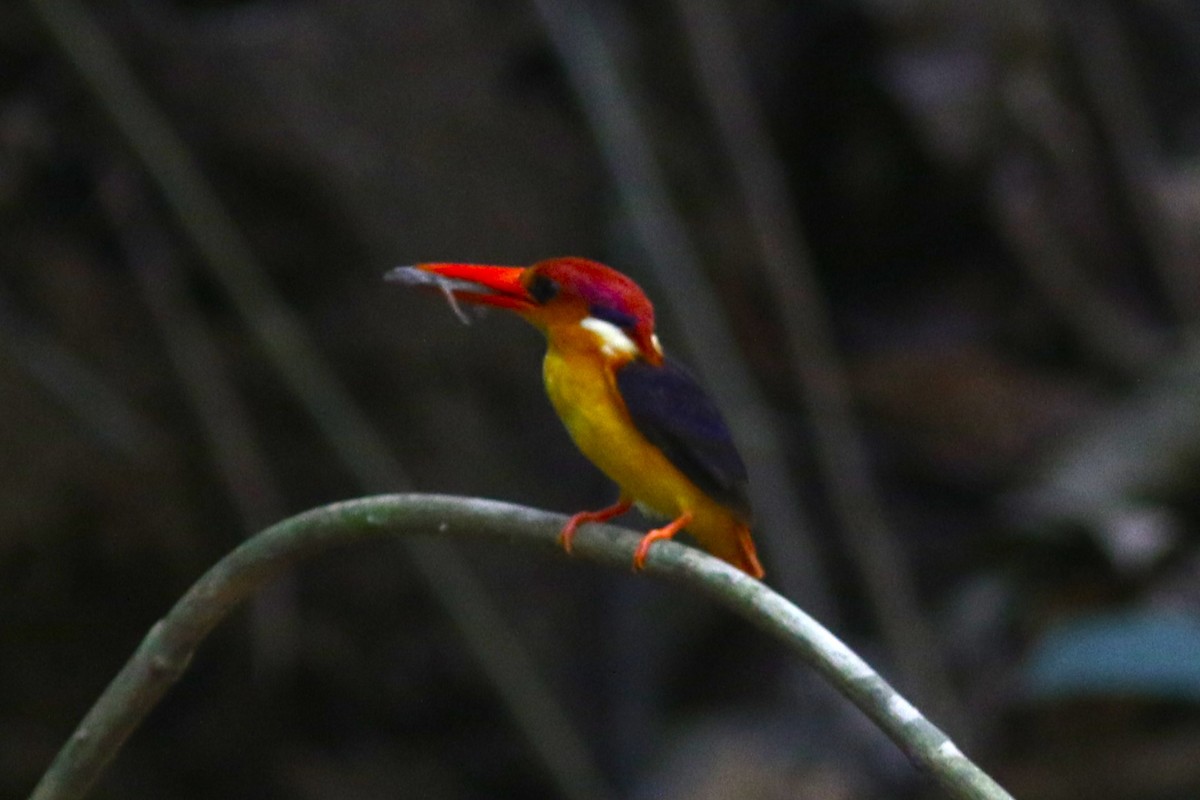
point(936, 260)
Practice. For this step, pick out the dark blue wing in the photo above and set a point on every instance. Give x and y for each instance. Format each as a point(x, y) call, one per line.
point(670, 409)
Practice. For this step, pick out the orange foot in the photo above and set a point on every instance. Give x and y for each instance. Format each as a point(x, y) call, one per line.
point(567, 534)
point(665, 532)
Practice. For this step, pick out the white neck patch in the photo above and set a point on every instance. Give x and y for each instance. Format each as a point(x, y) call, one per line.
point(613, 341)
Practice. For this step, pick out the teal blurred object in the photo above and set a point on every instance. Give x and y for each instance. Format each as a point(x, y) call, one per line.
point(1150, 652)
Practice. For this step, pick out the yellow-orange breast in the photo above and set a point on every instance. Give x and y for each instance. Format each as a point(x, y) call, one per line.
point(580, 380)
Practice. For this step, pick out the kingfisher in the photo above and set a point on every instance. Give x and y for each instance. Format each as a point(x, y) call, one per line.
point(636, 414)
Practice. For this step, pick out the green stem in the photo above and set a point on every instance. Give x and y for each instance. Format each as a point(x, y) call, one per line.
point(165, 652)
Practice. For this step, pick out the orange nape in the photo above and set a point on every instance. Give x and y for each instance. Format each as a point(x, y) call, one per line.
point(636, 414)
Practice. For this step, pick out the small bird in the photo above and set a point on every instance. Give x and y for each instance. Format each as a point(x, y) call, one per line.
point(637, 415)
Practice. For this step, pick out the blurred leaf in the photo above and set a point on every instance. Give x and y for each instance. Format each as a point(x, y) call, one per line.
point(1152, 652)
point(1113, 474)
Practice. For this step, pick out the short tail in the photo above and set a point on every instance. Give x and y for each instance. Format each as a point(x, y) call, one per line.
point(728, 538)
point(746, 557)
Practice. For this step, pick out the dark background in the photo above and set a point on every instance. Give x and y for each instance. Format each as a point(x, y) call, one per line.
point(937, 261)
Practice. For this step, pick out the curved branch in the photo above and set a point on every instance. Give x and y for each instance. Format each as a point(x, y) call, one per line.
point(840, 451)
point(165, 652)
point(500, 654)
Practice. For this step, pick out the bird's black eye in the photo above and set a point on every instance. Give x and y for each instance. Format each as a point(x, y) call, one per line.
point(542, 289)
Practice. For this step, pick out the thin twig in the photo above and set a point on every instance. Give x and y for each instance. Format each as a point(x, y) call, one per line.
point(841, 452)
point(1039, 191)
point(93, 402)
point(642, 188)
point(1110, 333)
point(489, 637)
point(215, 401)
point(1094, 31)
point(167, 649)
